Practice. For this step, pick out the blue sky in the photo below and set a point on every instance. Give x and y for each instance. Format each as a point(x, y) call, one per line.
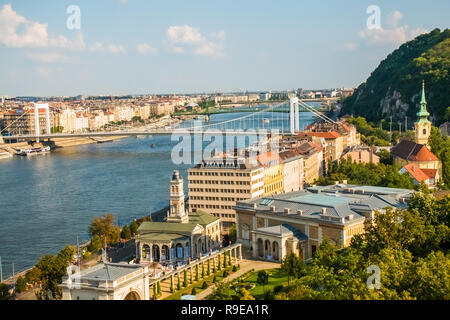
point(141, 46)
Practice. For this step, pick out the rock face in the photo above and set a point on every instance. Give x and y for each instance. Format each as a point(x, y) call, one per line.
point(393, 88)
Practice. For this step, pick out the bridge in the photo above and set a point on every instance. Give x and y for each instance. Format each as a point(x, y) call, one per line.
point(269, 118)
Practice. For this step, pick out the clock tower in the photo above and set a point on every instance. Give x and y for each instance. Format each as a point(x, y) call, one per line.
point(177, 211)
point(422, 125)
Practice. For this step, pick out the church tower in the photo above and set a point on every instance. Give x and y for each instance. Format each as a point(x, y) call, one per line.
point(422, 125)
point(177, 212)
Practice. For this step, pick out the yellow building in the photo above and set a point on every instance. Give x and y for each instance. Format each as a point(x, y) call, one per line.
point(273, 173)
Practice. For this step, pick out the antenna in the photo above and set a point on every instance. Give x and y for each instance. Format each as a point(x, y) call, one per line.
point(1, 270)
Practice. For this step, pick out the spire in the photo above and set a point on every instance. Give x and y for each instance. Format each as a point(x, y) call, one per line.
point(423, 114)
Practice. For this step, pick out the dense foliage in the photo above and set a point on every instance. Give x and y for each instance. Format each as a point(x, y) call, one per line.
point(440, 146)
point(410, 248)
point(49, 271)
point(369, 174)
point(427, 57)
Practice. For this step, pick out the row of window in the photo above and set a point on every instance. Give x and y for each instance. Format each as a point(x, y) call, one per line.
point(241, 183)
point(273, 187)
point(222, 174)
point(224, 215)
point(219, 190)
point(210, 206)
point(216, 198)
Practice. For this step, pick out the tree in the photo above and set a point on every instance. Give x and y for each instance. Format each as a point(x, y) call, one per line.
point(96, 244)
point(104, 228)
point(194, 291)
point(219, 267)
point(196, 272)
point(204, 285)
point(21, 284)
point(126, 232)
point(203, 270)
point(291, 264)
point(33, 275)
point(263, 278)
point(134, 228)
point(4, 292)
point(185, 281)
point(178, 283)
point(232, 234)
point(171, 285)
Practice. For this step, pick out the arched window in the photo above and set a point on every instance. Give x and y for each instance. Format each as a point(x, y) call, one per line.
point(424, 131)
point(179, 251)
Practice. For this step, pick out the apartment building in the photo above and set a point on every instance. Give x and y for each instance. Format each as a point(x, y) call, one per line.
point(22, 121)
point(215, 186)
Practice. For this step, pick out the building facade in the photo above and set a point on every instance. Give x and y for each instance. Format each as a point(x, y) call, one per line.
point(298, 222)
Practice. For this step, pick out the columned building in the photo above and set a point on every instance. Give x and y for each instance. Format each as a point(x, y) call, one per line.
point(182, 237)
point(298, 222)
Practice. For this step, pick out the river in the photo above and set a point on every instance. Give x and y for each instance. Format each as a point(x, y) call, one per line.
point(46, 201)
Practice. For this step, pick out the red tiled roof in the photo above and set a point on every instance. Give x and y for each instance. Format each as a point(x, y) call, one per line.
point(430, 172)
point(266, 158)
point(409, 150)
point(416, 172)
point(318, 148)
point(326, 135)
point(346, 127)
point(426, 155)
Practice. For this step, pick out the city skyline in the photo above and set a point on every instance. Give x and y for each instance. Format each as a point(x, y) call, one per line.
point(140, 47)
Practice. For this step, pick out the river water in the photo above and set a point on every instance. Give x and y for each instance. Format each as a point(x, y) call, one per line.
point(46, 201)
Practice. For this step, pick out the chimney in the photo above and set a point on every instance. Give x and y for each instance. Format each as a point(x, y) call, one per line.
point(287, 210)
point(350, 217)
point(300, 212)
point(324, 210)
point(272, 208)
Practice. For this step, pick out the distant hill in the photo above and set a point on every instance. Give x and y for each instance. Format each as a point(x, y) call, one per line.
point(393, 89)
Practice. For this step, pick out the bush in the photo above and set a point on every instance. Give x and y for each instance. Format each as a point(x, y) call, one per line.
point(4, 292)
point(214, 279)
point(234, 268)
point(225, 274)
point(21, 284)
point(194, 291)
point(277, 289)
point(204, 285)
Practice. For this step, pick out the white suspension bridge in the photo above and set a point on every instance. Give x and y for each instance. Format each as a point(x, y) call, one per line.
point(270, 118)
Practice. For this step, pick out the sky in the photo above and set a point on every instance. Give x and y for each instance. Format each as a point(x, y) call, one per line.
point(144, 47)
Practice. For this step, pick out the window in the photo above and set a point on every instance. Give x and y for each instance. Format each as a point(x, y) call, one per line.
point(424, 131)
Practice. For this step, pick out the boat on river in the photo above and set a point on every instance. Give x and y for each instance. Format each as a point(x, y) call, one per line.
point(34, 151)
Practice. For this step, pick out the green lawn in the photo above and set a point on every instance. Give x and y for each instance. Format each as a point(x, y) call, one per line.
point(276, 277)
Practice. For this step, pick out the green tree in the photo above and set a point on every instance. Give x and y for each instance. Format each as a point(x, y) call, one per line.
point(263, 278)
point(244, 294)
point(104, 228)
point(291, 264)
point(204, 285)
point(4, 292)
point(134, 228)
point(232, 234)
point(171, 285)
point(126, 232)
point(21, 284)
point(96, 244)
point(196, 272)
point(185, 281)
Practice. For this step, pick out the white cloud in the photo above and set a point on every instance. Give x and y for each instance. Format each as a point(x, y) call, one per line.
point(111, 48)
point(144, 48)
point(184, 34)
point(186, 39)
point(210, 49)
point(32, 34)
point(395, 34)
point(68, 44)
point(49, 57)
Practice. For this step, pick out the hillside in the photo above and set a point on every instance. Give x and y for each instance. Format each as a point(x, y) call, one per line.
point(393, 89)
